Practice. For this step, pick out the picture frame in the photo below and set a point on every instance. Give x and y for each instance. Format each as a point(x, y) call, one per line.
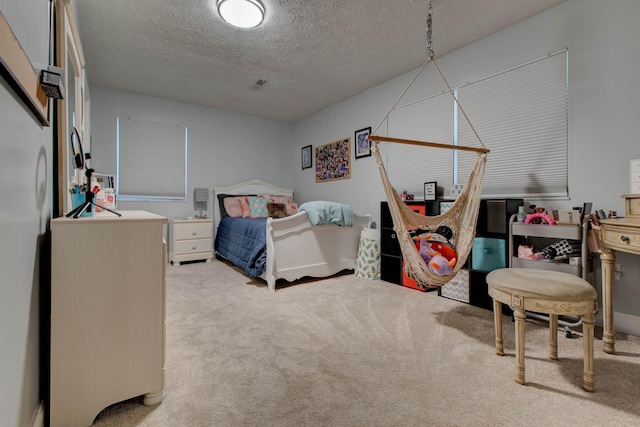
point(361, 144)
point(430, 190)
point(20, 75)
point(333, 160)
point(307, 160)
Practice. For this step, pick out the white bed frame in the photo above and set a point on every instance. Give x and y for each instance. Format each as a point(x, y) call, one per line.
point(295, 247)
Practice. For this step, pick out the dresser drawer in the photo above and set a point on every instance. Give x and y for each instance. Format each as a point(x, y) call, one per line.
point(192, 230)
point(621, 238)
point(192, 246)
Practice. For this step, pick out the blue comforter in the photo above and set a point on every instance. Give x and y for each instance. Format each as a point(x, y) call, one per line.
point(243, 241)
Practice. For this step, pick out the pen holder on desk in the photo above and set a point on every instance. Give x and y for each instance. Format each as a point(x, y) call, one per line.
point(76, 200)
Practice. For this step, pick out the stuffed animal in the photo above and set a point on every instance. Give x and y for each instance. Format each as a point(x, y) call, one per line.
point(437, 251)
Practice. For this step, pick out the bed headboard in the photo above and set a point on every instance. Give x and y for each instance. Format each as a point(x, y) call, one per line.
point(253, 186)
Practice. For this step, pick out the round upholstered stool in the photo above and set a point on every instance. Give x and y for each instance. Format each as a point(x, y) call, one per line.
point(547, 292)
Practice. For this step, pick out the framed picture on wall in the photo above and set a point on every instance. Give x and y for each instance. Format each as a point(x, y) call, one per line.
point(306, 157)
point(363, 145)
point(430, 190)
point(333, 160)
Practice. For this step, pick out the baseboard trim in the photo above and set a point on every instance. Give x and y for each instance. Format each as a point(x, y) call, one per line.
point(626, 323)
point(622, 322)
point(38, 420)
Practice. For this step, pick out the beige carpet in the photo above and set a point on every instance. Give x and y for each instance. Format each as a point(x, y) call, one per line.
point(345, 351)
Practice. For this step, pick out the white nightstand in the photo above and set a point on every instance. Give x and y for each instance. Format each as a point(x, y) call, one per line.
point(190, 240)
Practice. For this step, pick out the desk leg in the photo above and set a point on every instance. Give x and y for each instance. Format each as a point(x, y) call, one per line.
point(608, 260)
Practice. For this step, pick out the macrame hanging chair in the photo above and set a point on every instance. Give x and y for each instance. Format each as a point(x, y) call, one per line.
point(461, 218)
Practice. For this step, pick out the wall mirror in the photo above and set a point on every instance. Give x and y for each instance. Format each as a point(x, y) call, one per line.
point(70, 109)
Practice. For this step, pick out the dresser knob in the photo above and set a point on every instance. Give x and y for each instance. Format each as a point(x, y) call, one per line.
point(194, 247)
point(625, 239)
point(193, 233)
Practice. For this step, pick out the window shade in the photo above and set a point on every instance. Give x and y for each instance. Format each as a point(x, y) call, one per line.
point(151, 160)
point(410, 166)
point(521, 115)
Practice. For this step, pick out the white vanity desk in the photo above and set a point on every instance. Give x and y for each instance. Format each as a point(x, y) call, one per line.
point(617, 235)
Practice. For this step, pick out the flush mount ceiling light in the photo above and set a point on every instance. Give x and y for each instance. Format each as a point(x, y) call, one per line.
point(241, 13)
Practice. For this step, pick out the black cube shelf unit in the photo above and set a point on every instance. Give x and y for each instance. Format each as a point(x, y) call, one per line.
point(489, 251)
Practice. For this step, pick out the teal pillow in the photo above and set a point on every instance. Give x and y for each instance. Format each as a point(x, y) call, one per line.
point(258, 207)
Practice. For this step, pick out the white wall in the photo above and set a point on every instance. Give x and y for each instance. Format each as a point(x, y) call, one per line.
point(224, 147)
point(602, 40)
point(26, 173)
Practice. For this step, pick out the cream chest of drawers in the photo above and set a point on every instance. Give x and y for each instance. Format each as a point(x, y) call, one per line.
point(107, 313)
point(190, 240)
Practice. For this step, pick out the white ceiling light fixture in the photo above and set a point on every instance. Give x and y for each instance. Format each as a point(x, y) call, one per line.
point(241, 13)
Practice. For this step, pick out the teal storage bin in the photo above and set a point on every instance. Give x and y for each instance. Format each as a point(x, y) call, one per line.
point(488, 254)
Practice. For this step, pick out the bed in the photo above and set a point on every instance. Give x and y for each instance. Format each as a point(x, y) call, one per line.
point(283, 248)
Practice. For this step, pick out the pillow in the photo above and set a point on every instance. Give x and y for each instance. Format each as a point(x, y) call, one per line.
point(232, 206)
point(281, 199)
point(245, 207)
point(258, 207)
point(292, 207)
point(277, 210)
point(221, 199)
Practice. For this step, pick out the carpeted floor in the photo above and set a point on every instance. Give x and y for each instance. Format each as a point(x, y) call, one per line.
point(346, 351)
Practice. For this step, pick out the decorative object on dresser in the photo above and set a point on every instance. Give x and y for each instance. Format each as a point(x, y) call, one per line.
point(107, 313)
point(190, 240)
point(280, 248)
point(430, 190)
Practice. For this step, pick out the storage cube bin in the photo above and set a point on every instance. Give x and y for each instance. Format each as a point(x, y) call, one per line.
point(458, 287)
point(488, 254)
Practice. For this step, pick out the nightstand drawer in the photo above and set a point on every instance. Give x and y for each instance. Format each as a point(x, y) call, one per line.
point(192, 246)
point(192, 230)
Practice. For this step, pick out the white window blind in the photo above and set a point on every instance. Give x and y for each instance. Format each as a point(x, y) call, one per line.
point(410, 166)
point(151, 160)
point(521, 116)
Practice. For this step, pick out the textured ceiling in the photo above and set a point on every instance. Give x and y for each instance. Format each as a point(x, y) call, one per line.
point(313, 53)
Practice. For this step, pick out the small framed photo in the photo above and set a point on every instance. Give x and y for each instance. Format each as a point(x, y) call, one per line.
point(306, 157)
point(363, 145)
point(430, 190)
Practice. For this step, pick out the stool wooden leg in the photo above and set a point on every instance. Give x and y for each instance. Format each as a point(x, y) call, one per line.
point(520, 316)
point(587, 333)
point(553, 336)
point(497, 321)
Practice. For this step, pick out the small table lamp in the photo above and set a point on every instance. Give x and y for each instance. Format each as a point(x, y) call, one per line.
point(200, 199)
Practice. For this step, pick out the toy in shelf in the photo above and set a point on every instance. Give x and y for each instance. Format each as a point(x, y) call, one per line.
point(437, 250)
